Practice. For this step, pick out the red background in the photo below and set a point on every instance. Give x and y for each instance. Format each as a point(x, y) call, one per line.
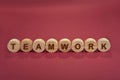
point(59, 19)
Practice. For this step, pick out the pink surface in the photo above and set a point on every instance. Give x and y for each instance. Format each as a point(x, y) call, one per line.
point(58, 20)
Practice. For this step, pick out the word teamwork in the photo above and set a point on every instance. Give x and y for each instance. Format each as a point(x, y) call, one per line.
point(63, 45)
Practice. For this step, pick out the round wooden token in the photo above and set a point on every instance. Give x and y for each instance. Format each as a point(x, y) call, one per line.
point(39, 45)
point(90, 45)
point(13, 45)
point(104, 45)
point(64, 45)
point(77, 45)
point(51, 45)
point(26, 45)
